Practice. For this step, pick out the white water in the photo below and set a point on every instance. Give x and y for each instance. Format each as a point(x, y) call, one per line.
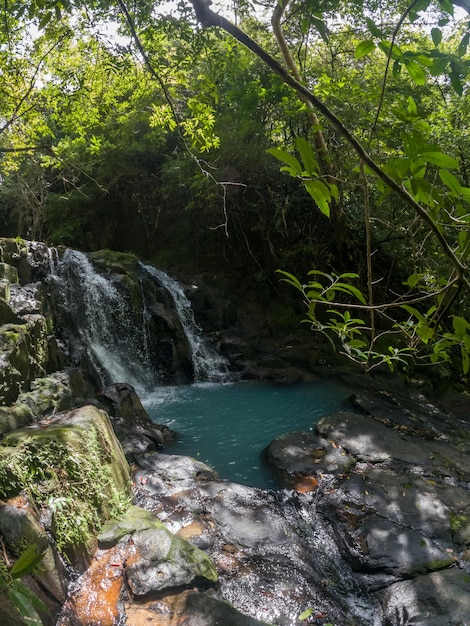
point(207, 364)
point(116, 341)
point(104, 321)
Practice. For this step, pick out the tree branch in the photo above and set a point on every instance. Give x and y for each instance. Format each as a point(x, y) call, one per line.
point(208, 18)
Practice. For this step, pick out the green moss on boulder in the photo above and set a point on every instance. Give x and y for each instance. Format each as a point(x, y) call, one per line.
point(75, 467)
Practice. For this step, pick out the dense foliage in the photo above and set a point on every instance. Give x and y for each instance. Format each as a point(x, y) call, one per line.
point(161, 131)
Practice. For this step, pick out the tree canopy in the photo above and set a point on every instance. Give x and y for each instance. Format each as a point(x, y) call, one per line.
point(147, 126)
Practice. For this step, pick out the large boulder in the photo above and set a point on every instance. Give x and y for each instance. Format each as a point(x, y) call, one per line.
point(75, 470)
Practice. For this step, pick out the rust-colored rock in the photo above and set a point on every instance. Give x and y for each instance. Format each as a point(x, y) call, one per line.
point(96, 600)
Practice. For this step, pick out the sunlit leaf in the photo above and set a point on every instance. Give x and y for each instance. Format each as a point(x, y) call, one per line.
point(27, 561)
point(416, 72)
point(450, 181)
point(440, 159)
point(320, 194)
point(307, 155)
point(364, 48)
point(286, 157)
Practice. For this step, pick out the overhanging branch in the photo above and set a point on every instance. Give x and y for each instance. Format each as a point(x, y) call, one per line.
point(208, 18)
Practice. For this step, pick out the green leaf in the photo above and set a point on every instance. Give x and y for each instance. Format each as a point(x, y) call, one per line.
point(436, 35)
point(305, 614)
point(291, 280)
point(450, 181)
point(307, 156)
point(447, 6)
point(322, 29)
point(305, 25)
point(463, 45)
point(425, 333)
point(416, 72)
point(374, 29)
point(320, 194)
point(351, 290)
point(365, 47)
point(38, 604)
point(414, 312)
point(465, 360)
point(286, 157)
point(460, 326)
point(27, 561)
point(413, 280)
point(396, 69)
point(25, 607)
point(438, 66)
point(456, 82)
point(411, 106)
point(394, 52)
point(440, 159)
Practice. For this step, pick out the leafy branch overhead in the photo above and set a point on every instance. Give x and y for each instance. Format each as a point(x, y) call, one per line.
point(410, 173)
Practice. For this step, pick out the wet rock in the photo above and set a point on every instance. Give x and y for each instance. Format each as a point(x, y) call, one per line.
point(122, 401)
point(156, 559)
point(131, 422)
point(270, 567)
point(95, 599)
point(366, 438)
point(194, 607)
point(161, 560)
point(135, 444)
point(7, 315)
point(301, 454)
point(433, 600)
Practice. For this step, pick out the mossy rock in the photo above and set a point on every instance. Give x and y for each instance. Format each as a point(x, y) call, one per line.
point(5, 292)
point(20, 528)
point(159, 559)
point(14, 417)
point(24, 351)
point(75, 466)
point(48, 394)
point(8, 272)
point(115, 262)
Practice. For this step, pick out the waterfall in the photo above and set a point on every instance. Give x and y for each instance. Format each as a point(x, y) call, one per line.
point(105, 322)
point(116, 338)
point(208, 365)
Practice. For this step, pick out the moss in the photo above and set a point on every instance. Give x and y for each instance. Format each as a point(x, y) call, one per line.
point(14, 417)
point(115, 262)
point(75, 467)
point(8, 272)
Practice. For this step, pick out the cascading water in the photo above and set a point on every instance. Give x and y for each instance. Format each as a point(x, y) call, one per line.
point(116, 339)
point(208, 365)
point(104, 322)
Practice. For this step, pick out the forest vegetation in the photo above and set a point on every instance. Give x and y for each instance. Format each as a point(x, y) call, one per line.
point(328, 140)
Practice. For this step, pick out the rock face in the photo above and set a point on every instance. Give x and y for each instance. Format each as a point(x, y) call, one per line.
point(397, 499)
point(75, 474)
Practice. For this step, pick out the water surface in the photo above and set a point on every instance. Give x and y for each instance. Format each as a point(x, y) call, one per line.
point(227, 426)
